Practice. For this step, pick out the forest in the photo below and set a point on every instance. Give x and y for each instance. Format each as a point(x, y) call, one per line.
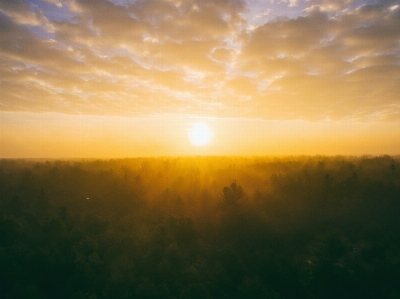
point(200, 227)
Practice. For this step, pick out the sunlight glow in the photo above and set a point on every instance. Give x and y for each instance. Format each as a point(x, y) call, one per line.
point(200, 134)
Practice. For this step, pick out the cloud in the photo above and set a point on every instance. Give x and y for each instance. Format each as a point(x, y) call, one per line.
point(22, 13)
point(338, 59)
point(320, 66)
point(330, 5)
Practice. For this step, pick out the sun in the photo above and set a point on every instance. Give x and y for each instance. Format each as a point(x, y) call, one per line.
point(200, 133)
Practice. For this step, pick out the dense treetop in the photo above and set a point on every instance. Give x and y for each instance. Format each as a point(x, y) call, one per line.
point(201, 227)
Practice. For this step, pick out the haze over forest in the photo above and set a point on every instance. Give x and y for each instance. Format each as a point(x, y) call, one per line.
point(200, 227)
point(121, 78)
point(210, 149)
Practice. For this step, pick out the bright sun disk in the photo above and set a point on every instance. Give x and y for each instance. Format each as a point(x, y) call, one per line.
point(200, 134)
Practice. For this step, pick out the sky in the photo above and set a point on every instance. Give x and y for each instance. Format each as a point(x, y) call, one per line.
point(122, 78)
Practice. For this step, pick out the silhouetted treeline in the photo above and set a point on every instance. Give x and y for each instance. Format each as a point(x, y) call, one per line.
point(204, 227)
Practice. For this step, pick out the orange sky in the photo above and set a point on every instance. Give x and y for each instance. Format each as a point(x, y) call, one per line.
point(121, 78)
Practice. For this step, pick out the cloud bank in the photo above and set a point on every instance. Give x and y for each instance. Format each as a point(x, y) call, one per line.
point(331, 60)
